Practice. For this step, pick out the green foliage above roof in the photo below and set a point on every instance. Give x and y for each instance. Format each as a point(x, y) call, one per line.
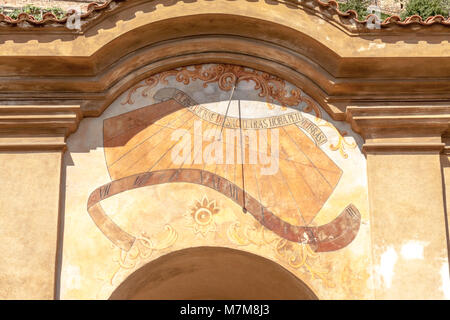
point(360, 6)
point(36, 12)
point(426, 8)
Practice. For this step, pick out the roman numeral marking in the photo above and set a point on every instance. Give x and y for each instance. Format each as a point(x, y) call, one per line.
point(104, 191)
point(233, 192)
point(352, 213)
point(141, 179)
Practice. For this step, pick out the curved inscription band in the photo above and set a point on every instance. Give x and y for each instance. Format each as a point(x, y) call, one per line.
point(329, 237)
point(296, 117)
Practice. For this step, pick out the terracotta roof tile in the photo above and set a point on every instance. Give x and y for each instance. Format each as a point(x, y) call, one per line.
point(328, 8)
point(352, 15)
point(94, 9)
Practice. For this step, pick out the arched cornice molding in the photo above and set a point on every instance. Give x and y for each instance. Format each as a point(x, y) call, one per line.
point(294, 68)
point(257, 19)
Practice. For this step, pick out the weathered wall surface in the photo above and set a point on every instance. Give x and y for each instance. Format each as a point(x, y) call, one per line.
point(409, 228)
point(129, 217)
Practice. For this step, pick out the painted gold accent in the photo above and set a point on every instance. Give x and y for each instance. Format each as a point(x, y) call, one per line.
point(296, 255)
point(143, 248)
point(342, 143)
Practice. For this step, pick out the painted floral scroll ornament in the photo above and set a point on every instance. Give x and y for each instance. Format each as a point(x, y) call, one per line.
point(143, 248)
point(297, 255)
point(342, 143)
point(268, 86)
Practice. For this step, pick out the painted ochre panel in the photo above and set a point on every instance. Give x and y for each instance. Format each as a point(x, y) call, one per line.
point(175, 178)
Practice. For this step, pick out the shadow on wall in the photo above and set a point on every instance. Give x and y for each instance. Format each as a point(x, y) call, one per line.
point(212, 273)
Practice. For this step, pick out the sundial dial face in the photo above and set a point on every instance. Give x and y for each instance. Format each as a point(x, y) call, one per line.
point(185, 126)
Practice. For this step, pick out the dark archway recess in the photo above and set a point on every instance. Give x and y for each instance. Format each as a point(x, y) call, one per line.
point(212, 273)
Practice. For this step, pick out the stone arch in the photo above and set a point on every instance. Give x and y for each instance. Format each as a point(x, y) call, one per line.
point(212, 273)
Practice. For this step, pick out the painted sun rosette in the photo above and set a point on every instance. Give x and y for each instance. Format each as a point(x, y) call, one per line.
point(300, 175)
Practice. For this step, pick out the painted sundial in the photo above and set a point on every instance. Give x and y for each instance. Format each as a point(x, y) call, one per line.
point(185, 126)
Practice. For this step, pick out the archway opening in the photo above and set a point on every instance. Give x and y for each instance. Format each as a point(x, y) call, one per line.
point(212, 273)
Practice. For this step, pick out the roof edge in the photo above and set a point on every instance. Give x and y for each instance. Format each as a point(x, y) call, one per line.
point(328, 10)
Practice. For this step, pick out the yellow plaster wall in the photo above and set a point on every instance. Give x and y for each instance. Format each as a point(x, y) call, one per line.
point(408, 225)
point(29, 206)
